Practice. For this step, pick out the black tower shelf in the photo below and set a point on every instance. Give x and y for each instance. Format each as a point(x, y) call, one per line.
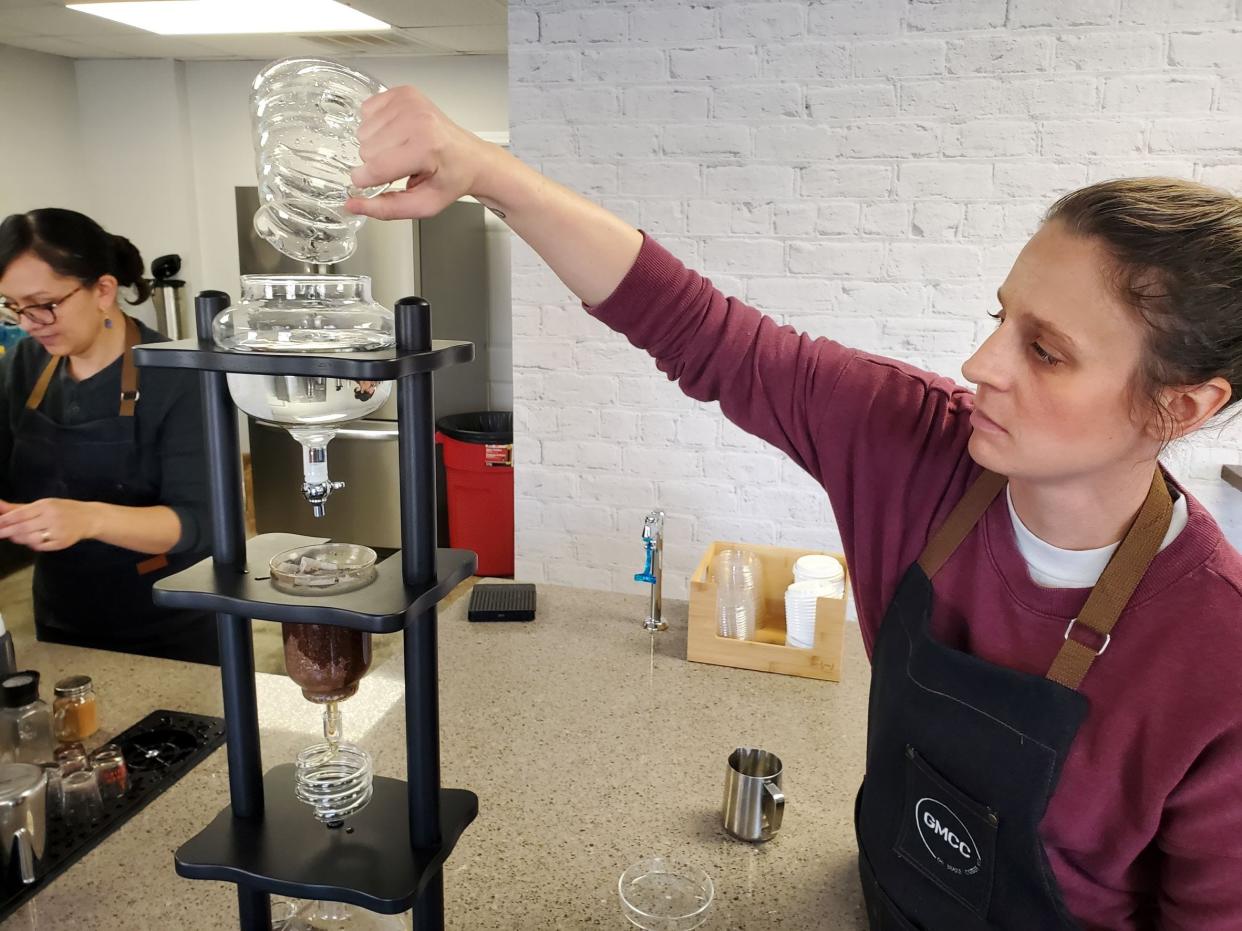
point(389, 857)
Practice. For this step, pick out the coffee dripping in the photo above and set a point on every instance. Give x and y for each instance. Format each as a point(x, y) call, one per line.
point(334, 777)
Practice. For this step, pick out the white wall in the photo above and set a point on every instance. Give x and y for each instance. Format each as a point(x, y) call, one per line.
point(865, 169)
point(138, 158)
point(40, 158)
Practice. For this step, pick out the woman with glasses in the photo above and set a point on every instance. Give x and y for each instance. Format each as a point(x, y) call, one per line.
point(101, 464)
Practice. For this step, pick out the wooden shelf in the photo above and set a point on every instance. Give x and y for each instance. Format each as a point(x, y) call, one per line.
point(1232, 475)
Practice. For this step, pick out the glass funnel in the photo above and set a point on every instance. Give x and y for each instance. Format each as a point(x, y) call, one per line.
point(307, 313)
point(304, 116)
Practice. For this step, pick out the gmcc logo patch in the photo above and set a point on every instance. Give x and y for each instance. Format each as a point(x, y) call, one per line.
point(946, 837)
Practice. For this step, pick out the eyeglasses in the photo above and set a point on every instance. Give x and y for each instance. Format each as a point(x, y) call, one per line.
point(43, 314)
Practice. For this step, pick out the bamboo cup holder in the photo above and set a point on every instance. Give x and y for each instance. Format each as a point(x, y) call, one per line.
point(767, 652)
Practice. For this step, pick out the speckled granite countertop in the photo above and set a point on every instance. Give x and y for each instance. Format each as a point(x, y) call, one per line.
point(585, 754)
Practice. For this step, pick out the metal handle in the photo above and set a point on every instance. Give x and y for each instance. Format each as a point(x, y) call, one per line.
point(773, 806)
point(25, 854)
point(386, 432)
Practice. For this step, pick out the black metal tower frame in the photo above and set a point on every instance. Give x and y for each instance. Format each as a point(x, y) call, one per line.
point(265, 841)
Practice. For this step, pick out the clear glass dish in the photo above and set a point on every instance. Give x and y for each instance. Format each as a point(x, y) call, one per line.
point(659, 894)
point(299, 915)
point(305, 313)
point(305, 114)
point(323, 569)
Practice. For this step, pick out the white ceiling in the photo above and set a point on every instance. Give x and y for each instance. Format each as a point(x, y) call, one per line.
point(421, 27)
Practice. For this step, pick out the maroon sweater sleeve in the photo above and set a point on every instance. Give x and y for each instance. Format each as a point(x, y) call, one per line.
point(887, 441)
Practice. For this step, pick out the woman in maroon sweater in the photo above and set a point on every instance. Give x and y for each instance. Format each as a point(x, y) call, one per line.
point(1055, 729)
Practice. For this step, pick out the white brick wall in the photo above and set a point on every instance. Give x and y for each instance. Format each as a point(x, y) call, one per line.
point(864, 169)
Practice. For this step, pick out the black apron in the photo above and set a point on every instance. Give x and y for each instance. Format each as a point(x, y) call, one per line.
point(963, 755)
point(94, 594)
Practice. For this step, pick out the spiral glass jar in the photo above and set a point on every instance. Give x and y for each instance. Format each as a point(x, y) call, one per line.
point(305, 114)
point(335, 780)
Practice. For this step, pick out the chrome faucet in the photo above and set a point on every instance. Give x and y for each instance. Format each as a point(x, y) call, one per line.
point(317, 486)
point(653, 572)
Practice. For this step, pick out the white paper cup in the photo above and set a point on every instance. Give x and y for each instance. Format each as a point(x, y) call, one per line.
point(800, 603)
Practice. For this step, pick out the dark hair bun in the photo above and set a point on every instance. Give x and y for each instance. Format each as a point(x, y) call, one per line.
point(128, 268)
point(75, 246)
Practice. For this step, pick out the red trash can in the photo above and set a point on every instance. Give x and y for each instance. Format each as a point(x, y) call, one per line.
point(478, 486)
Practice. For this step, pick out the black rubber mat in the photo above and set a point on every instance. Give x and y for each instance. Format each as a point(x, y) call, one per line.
point(159, 750)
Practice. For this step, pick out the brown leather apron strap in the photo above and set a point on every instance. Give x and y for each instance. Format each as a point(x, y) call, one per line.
point(1112, 592)
point(965, 514)
point(40, 387)
point(153, 564)
point(129, 371)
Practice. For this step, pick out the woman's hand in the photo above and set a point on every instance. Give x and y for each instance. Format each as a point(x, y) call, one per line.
point(405, 135)
point(48, 524)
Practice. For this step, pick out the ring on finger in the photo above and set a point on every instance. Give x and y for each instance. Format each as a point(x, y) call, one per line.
point(45, 536)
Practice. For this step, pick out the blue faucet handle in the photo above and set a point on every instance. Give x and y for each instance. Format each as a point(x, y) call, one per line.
point(646, 575)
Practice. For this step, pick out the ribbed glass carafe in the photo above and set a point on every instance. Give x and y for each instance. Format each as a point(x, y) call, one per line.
point(305, 114)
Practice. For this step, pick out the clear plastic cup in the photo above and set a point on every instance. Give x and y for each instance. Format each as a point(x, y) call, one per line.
point(738, 575)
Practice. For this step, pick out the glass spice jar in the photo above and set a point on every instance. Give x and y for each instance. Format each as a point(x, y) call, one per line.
point(75, 711)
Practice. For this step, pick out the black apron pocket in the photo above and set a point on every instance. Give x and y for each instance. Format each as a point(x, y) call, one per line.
point(947, 836)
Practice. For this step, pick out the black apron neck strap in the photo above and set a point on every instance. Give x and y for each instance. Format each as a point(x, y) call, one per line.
point(129, 374)
point(965, 514)
point(1112, 592)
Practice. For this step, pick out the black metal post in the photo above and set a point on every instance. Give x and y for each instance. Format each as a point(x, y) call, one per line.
point(241, 712)
point(416, 452)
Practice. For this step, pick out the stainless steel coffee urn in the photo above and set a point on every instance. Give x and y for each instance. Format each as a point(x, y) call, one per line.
point(168, 295)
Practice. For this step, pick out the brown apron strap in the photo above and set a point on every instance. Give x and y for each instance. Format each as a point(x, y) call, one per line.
point(153, 564)
point(129, 371)
point(40, 386)
point(1120, 578)
point(129, 374)
point(965, 514)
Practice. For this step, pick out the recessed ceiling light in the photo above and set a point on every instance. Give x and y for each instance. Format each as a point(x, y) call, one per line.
point(234, 17)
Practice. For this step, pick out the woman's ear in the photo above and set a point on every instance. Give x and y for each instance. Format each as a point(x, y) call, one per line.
point(105, 288)
point(1188, 407)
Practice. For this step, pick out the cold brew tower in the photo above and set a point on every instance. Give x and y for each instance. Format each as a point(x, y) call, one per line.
point(387, 856)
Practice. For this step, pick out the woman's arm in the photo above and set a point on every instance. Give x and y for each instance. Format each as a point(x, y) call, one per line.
point(51, 524)
point(403, 134)
point(1200, 839)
